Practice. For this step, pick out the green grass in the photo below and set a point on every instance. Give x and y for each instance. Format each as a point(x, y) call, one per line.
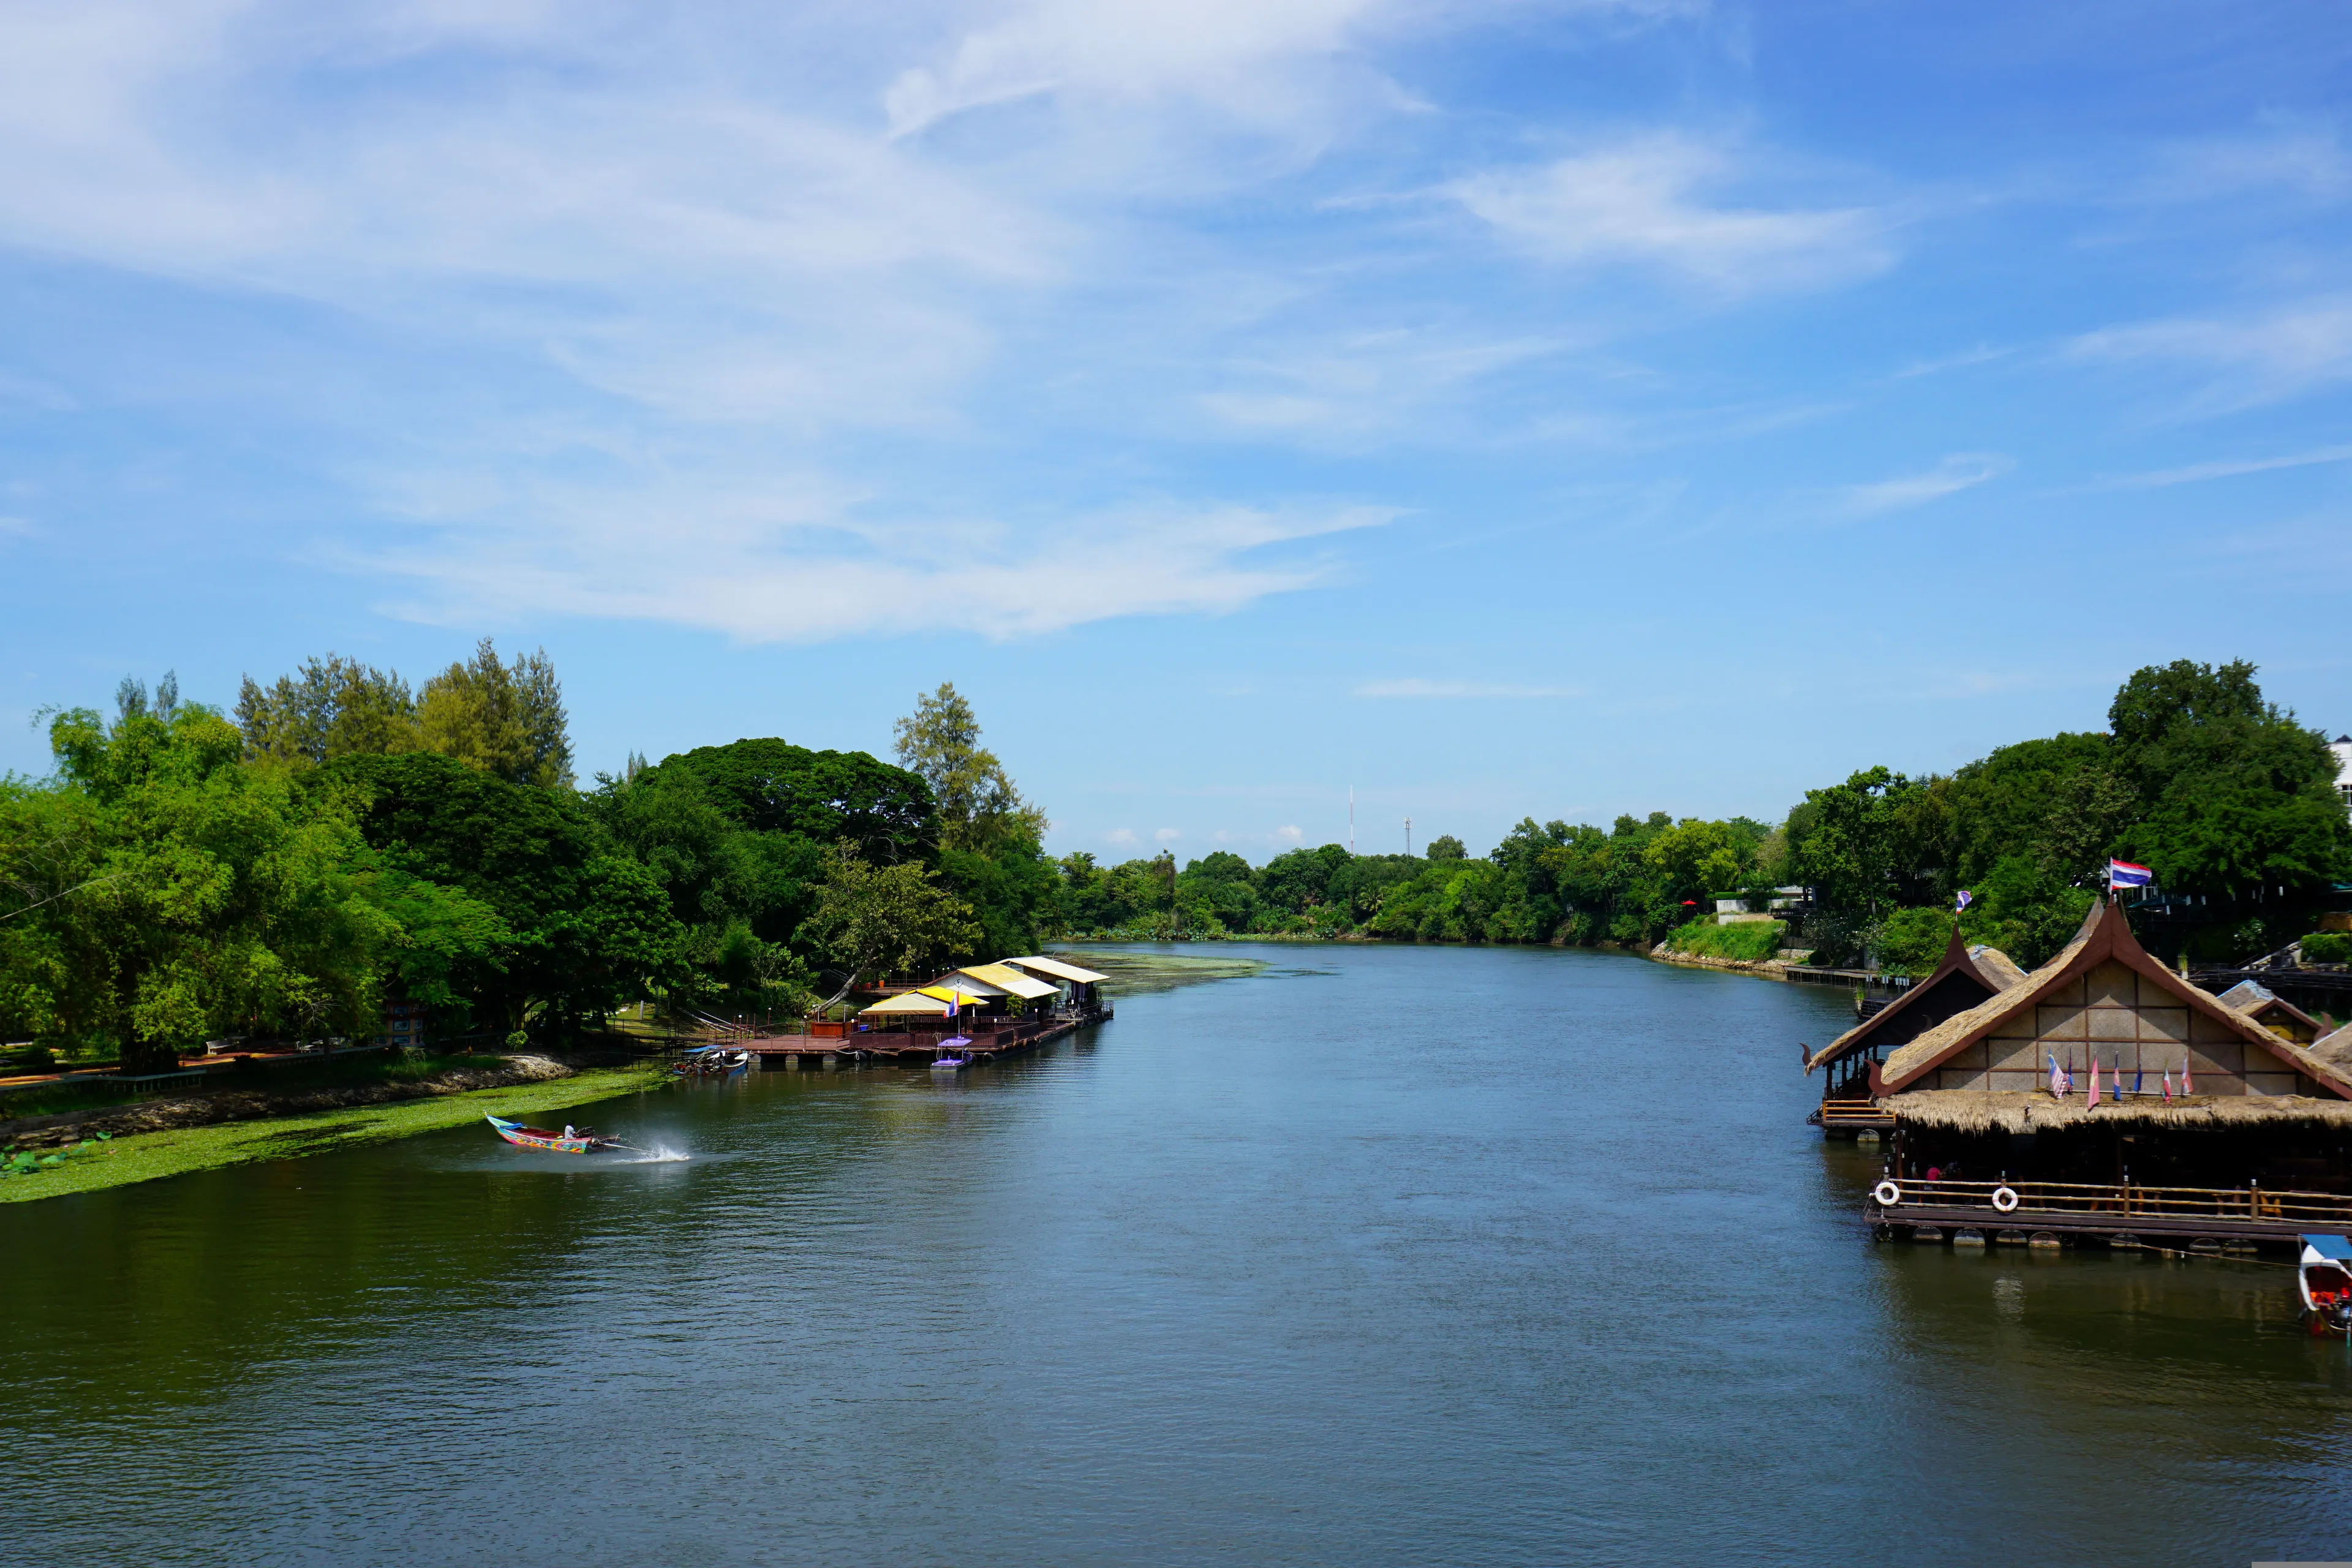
point(146, 1156)
point(1751, 940)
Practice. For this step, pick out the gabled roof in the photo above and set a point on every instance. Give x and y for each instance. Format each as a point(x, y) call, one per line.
point(2335, 1049)
point(1966, 976)
point(2106, 935)
point(1059, 971)
point(2260, 1004)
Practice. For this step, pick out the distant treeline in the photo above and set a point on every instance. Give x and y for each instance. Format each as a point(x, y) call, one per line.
point(2230, 801)
point(342, 840)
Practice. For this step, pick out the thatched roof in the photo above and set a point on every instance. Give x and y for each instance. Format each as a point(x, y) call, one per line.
point(2335, 1049)
point(2011, 1111)
point(2106, 935)
point(2265, 1006)
point(1966, 973)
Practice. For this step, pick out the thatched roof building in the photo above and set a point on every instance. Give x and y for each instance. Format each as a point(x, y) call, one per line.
point(1966, 977)
point(2271, 1011)
point(2104, 998)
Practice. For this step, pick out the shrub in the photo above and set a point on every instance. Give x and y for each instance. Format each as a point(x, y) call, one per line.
point(2327, 947)
point(1749, 940)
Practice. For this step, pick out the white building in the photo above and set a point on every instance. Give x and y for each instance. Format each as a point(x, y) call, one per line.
point(2343, 749)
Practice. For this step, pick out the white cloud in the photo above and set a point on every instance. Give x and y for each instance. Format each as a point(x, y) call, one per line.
point(1983, 353)
point(2246, 362)
point(1168, 835)
point(1119, 836)
point(1418, 688)
point(1289, 833)
point(2196, 473)
point(1645, 204)
point(773, 568)
point(1960, 471)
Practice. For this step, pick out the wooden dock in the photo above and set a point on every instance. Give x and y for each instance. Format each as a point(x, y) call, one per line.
point(2178, 1218)
point(842, 1042)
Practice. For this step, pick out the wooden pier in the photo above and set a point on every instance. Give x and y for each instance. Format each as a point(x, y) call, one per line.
point(843, 1042)
point(2120, 1216)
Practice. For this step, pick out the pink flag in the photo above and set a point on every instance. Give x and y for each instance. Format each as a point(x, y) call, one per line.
point(2186, 1086)
point(2094, 1098)
point(2057, 1080)
point(2167, 1085)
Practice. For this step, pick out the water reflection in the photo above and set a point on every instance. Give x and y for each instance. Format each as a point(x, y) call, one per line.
point(1432, 1255)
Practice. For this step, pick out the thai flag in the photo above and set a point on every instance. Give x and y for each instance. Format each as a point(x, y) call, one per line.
point(2095, 1082)
point(2168, 1085)
point(2186, 1086)
point(1962, 900)
point(2124, 874)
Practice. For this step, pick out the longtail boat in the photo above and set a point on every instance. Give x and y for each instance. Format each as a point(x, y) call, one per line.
point(570, 1141)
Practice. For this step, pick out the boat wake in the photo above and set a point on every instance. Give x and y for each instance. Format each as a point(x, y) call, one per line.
point(656, 1155)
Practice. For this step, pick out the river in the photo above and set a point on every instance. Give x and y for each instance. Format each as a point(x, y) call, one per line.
point(1381, 1256)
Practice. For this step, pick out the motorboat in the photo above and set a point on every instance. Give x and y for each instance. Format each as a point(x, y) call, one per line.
point(570, 1141)
point(2323, 1277)
point(955, 1054)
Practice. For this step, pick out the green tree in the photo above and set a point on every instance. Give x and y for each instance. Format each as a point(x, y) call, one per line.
point(504, 720)
point(332, 707)
point(212, 898)
point(979, 806)
point(876, 921)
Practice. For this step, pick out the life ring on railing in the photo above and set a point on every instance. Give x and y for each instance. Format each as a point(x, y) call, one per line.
point(2004, 1199)
point(1887, 1194)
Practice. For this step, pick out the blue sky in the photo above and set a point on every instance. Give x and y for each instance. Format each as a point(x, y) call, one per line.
point(1503, 410)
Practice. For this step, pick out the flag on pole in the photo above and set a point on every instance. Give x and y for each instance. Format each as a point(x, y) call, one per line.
point(2124, 874)
point(1962, 900)
point(2057, 1080)
point(2167, 1085)
point(2094, 1098)
point(2186, 1086)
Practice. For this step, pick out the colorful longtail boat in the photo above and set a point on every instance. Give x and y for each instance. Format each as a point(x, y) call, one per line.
point(579, 1141)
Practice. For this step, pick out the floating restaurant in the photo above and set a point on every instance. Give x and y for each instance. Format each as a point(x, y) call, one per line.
point(982, 1011)
point(2102, 1093)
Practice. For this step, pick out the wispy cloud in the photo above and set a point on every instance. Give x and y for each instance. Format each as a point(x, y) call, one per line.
point(1419, 688)
point(1654, 202)
point(1983, 353)
point(2226, 469)
point(762, 568)
point(2246, 360)
point(1960, 471)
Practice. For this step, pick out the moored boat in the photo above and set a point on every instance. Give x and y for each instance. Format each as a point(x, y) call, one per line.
point(2323, 1277)
point(955, 1054)
point(570, 1141)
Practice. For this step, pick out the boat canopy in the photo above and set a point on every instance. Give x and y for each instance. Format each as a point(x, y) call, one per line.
point(2335, 1248)
point(1028, 988)
point(914, 1001)
point(1058, 970)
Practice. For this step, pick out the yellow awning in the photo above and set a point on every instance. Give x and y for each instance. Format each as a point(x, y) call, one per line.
point(962, 994)
point(911, 1001)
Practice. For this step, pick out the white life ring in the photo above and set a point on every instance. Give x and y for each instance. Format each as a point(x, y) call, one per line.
point(2005, 1200)
point(1887, 1194)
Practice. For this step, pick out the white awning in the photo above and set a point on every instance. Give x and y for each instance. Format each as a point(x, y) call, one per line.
point(1059, 971)
point(1028, 988)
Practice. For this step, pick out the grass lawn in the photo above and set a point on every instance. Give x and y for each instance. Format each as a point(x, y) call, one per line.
point(144, 1156)
point(1753, 941)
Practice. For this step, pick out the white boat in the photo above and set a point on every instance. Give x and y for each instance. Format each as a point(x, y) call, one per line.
point(956, 1057)
point(2323, 1277)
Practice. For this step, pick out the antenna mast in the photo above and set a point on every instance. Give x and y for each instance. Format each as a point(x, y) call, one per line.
point(1352, 822)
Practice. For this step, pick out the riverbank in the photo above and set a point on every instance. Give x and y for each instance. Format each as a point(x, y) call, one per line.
point(97, 1158)
point(1768, 968)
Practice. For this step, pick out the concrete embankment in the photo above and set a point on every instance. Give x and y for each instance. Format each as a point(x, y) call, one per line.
point(1770, 968)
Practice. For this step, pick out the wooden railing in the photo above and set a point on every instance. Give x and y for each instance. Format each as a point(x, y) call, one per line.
point(2330, 1209)
point(1837, 1112)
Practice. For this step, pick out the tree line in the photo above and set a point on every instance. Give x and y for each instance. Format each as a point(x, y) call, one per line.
point(340, 839)
point(2229, 800)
